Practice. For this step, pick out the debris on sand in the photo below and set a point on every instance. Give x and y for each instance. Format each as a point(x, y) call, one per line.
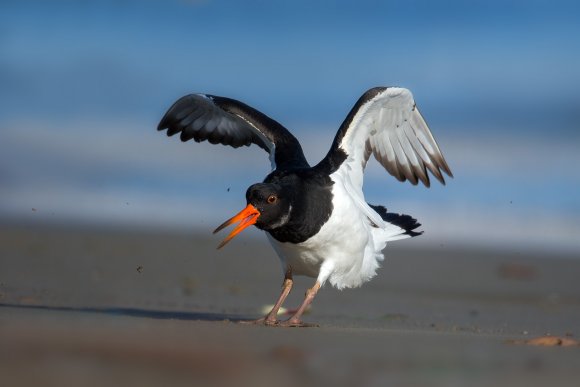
point(548, 341)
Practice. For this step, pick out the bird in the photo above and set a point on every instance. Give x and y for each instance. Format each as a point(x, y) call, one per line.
point(316, 217)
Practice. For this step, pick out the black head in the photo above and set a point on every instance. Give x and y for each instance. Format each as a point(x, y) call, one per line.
point(272, 202)
point(268, 208)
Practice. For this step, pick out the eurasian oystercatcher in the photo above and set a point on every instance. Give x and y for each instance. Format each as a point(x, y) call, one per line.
point(316, 218)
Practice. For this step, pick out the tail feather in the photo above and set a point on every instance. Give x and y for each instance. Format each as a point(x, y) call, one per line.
point(406, 222)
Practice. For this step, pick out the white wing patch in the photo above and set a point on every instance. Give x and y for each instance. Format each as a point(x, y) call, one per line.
point(390, 127)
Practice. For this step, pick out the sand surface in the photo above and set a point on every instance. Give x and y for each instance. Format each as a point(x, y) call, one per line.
point(84, 307)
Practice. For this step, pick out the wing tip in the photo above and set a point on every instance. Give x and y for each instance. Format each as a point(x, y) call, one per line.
point(448, 171)
point(162, 124)
point(405, 222)
point(414, 233)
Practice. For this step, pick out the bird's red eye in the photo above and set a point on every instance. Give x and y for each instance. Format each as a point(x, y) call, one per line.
point(272, 199)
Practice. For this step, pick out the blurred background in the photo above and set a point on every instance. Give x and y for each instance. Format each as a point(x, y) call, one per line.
point(84, 84)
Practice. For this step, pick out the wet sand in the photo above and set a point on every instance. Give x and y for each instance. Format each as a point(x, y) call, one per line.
point(82, 306)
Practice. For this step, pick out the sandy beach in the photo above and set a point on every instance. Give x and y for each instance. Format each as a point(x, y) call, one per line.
point(109, 273)
point(89, 306)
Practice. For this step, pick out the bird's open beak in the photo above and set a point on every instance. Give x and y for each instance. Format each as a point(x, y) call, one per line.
point(247, 217)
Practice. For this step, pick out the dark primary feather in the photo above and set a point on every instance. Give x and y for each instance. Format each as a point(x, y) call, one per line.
point(226, 121)
point(197, 117)
point(406, 222)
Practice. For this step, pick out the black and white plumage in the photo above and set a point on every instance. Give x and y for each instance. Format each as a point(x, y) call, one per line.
point(317, 218)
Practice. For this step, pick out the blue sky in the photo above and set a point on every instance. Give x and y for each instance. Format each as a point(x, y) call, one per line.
point(85, 83)
point(128, 58)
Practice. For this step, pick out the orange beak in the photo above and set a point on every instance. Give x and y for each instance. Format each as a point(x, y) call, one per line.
point(247, 217)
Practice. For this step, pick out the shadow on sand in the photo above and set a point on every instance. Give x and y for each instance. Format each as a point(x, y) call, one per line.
point(135, 312)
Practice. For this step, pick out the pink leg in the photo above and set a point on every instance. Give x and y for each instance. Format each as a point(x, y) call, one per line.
point(295, 320)
point(272, 317)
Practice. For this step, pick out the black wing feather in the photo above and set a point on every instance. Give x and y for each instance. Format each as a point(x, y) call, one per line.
point(406, 222)
point(226, 121)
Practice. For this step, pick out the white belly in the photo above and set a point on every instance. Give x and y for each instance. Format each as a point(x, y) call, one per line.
point(343, 251)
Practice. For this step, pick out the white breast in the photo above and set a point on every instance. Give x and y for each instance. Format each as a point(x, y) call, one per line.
point(347, 249)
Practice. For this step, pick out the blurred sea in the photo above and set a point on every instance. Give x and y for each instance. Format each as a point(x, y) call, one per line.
point(83, 85)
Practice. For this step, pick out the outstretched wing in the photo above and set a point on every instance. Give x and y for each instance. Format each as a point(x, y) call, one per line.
point(386, 123)
point(226, 121)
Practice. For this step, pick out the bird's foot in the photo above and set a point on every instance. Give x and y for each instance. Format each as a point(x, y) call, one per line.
point(261, 321)
point(290, 323)
point(295, 323)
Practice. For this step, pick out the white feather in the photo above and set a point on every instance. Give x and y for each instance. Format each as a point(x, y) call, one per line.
point(347, 249)
point(398, 136)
